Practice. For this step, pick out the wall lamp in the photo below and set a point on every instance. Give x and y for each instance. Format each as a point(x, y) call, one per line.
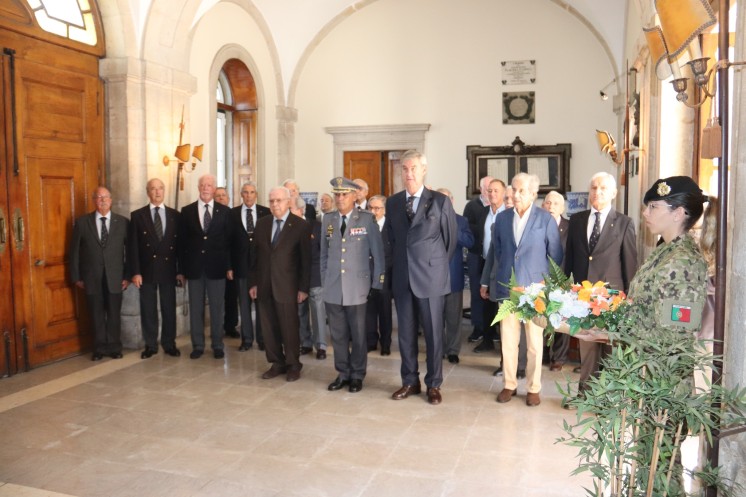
point(182, 158)
point(608, 146)
point(604, 95)
point(676, 38)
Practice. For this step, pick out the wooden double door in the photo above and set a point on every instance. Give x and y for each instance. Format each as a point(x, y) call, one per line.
point(378, 168)
point(51, 157)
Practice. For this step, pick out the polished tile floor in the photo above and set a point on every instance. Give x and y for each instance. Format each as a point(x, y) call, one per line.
point(178, 427)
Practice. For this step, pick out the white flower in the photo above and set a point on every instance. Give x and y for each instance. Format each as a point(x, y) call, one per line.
point(556, 320)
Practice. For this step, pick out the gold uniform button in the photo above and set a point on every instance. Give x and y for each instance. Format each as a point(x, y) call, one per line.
point(204, 237)
point(344, 240)
point(590, 257)
point(154, 256)
point(344, 250)
point(343, 271)
point(343, 261)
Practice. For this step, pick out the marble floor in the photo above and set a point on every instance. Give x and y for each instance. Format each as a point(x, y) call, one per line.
point(178, 427)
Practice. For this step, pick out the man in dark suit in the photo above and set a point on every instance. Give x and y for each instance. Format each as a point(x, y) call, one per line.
point(454, 302)
point(421, 228)
point(279, 278)
point(523, 239)
point(601, 246)
point(153, 262)
point(554, 204)
point(474, 211)
point(204, 258)
point(351, 239)
point(244, 219)
point(98, 265)
point(379, 318)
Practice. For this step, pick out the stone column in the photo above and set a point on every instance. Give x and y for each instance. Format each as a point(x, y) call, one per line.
point(286, 119)
point(143, 108)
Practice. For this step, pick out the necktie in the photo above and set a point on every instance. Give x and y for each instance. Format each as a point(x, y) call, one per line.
point(277, 232)
point(596, 233)
point(410, 207)
point(249, 222)
point(104, 231)
point(207, 219)
point(344, 225)
point(158, 224)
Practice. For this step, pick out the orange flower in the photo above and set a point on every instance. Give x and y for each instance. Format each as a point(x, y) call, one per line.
point(596, 289)
point(598, 306)
point(519, 289)
point(540, 306)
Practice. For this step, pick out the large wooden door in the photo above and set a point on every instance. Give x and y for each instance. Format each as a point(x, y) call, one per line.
point(53, 128)
point(377, 168)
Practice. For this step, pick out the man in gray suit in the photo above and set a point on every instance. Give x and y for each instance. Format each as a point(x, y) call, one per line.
point(98, 265)
point(350, 239)
point(422, 233)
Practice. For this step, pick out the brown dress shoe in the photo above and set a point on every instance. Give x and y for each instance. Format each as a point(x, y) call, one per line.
point(271, 373)
point(321, 354)
point(532, 399)
point(433, 396)
point(406, 391)
point(555, 366)
point(505, 395)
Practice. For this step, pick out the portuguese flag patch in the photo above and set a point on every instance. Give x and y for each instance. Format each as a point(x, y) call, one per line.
point(681, 313)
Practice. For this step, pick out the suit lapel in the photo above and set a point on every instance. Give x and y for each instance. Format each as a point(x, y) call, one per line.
point(423, 207)
point(529, 224)
point(584, 231)
point(608, 228)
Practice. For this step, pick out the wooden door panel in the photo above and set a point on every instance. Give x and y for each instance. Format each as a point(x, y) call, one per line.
point(59, 150)
point(244, 150)
point(366, 166)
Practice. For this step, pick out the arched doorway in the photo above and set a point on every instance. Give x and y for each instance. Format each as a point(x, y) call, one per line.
point(51, 159)
point(237, 114)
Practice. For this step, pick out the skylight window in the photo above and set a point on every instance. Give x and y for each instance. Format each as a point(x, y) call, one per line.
point(71, 19)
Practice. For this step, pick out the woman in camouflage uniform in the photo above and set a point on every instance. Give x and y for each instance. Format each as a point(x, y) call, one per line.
point(670, 288)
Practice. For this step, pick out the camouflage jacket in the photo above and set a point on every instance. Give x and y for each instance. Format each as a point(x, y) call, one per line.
point(669, 290)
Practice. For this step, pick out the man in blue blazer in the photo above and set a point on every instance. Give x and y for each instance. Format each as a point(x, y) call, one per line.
point(421, 229)
point(523, 238)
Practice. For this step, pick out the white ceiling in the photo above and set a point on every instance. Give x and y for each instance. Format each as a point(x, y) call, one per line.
point(295, 23)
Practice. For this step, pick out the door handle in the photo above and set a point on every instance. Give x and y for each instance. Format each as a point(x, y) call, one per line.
point(3, 232)
point(39, 262)
point(19, 229)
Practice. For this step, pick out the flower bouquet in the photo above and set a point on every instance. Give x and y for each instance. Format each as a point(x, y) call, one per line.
point(559, 305)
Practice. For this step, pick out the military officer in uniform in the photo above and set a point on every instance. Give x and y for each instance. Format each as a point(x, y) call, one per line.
point(351, 239)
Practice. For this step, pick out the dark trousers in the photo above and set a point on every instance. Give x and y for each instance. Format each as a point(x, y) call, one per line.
point(474, 266)
point(215, 291)
point(244, 305)
point(106, 310)
point(230, 318)
point(149, 295)
point(280, 330)
point(347, 326)
point(378, 319)
point(304, 325)
point(490, 310)
point(453, 307)
point(560, 347)
point(431, 319)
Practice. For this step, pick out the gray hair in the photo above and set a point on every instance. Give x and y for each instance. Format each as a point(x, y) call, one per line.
point(249, 183)
point(609, 177)
point(413, 154)
point(378, 197)
point(300, 203)
point(288, 181)
point(533, 181)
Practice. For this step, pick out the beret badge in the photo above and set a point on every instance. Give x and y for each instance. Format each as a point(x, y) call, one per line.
point(663, 189)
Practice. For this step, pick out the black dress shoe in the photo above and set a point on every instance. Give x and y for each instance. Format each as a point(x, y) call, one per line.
point(356, 385)
point(385, 351)
point(196, 354)
point(260, 345)
point(97, 356)
point(321, 354)
point(232, 334)
point(148, 353)
point(116, 355)
point(337, 384)
point(306, 350)
point(371, 348)
point(244, 347)
point(174, 352)
point(453, 358)
point(520, 374)
point(485, 346)
point(476, 335)
point(498, 371)
point(218, 354)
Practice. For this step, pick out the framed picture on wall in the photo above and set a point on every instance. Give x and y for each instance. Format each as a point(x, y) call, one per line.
point(551, 163)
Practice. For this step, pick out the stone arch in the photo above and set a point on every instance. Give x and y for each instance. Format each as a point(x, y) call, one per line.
point(121, 35)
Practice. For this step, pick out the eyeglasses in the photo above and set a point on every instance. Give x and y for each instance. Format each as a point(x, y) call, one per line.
point(651, 206)
point(376, 208)
point(101, 197)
